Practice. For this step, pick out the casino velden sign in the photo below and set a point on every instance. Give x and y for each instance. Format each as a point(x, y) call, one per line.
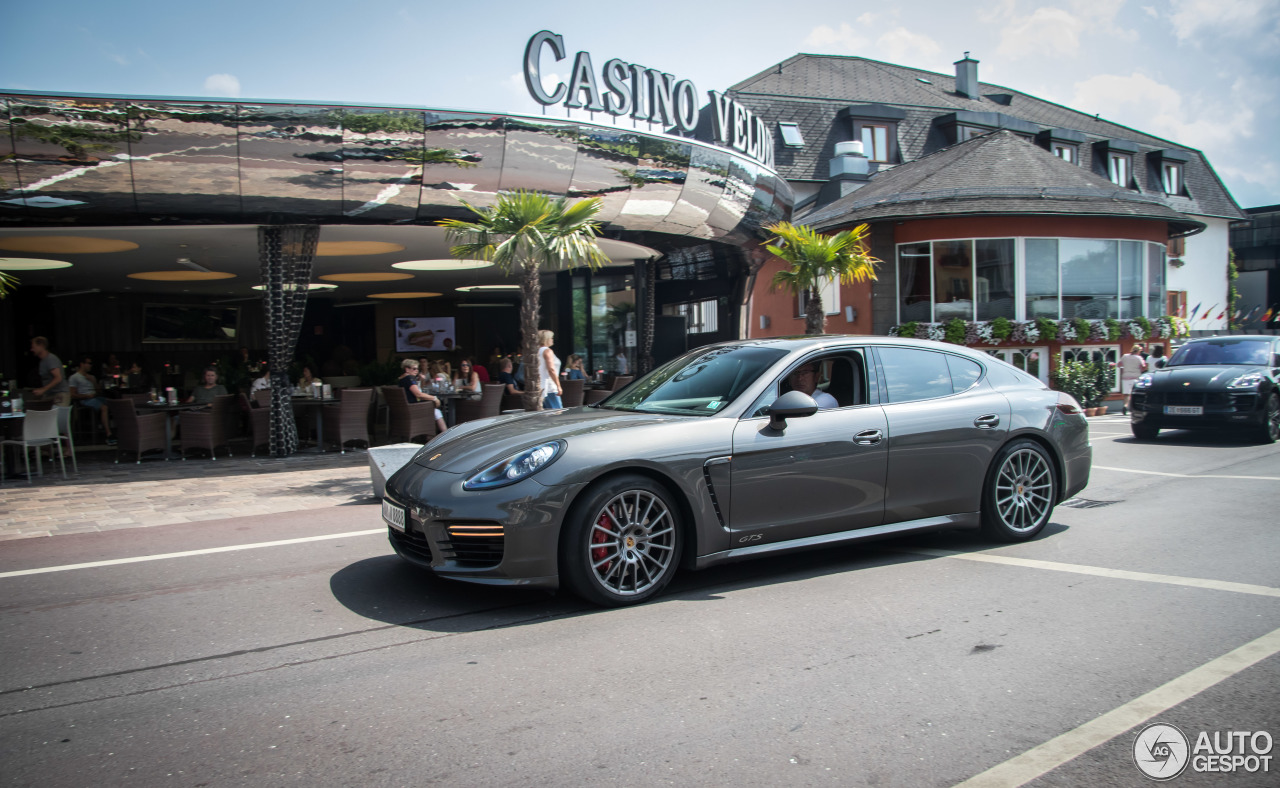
point(645, 94)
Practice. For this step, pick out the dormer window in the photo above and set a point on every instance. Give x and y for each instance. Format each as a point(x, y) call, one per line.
point(1171, 178)
point(1167, 169)
point(1119, 168)
point(791, 136)
point(876, 126)
point(1065, 152)
point(875, 140)
point(1063, 143)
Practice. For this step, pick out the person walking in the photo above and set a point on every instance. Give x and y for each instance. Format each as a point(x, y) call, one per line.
point(549, 372)
point(52, 382)
point(1132, 365)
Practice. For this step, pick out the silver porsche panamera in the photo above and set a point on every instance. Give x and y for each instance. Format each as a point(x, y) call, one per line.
point(741, 450)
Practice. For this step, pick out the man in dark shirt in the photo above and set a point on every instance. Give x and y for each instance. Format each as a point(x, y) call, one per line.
point(505, 376)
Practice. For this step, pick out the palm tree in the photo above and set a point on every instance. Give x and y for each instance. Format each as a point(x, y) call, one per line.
point(526, 231)
point(813, 257)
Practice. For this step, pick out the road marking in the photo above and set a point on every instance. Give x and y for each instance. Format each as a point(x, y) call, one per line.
point(1036, 762)
point(1097, 571)
point(187, 553)
point(1188, 475)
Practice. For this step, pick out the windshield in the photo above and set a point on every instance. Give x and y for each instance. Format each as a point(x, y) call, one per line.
point(1224, 351)
point(696, 384)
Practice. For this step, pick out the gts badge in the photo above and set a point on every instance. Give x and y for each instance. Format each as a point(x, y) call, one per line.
point(750, 538)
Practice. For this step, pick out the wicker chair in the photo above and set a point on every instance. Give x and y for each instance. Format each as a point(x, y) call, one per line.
point(489, 404)
point(207, 429)
point(596, 395)
point(349, 421)
point(136, 433)
point(573, 395)
point(408, 421)
point(511, 401)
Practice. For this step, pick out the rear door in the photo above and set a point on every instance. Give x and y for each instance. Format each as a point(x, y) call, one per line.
point(945, 424)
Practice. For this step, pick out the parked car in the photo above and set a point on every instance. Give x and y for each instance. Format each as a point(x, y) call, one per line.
point(1212, 383)
point(725, 454)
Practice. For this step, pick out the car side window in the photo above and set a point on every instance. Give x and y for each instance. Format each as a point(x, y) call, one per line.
point(964, 372)
point(912, 374)
point(842, 376)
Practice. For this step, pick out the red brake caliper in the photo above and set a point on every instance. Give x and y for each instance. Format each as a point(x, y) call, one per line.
point(598, 536)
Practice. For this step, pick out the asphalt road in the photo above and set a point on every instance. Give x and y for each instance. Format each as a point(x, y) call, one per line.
point(914, 662)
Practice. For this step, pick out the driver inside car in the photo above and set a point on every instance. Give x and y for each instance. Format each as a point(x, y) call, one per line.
point(805, 379)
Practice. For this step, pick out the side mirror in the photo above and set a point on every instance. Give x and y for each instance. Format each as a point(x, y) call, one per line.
point(792, 405)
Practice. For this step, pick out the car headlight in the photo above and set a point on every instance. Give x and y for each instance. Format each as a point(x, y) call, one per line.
point(1249, 380)
point(1144, 381)
point(514, 468)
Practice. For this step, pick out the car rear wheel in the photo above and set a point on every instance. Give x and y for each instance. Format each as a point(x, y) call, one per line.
point(623, 542)
point(1143, 432)
point(1020, 492)
point(1270, 430)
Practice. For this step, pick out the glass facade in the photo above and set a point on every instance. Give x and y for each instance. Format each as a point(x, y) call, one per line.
point(1058, 278)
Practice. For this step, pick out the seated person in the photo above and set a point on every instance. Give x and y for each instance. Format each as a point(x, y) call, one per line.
point(307, 379)
point(573, 368)
point(413, 392)
point(480, 371)
point(468, 377)
point(262, 382)
point(805, 379)
point(505, 377)
point(84, 389)
point(208, 389)
point(135, 380)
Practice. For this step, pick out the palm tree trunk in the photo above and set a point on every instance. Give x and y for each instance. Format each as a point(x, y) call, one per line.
point(530, 304)
point(814, 317)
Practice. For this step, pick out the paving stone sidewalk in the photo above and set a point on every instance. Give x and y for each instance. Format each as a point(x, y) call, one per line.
point(105, 496)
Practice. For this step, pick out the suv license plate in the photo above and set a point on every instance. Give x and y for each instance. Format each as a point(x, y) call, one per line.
point(1183, 410)
point(393, 515)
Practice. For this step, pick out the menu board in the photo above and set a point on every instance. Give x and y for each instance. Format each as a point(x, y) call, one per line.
point(424, 335)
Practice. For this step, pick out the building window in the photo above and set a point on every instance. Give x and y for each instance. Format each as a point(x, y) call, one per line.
point(1097, 354)
point(791, 136)
point(1176, 247)
point(1175, 303)
point(969, 132)
point(701, 317)
point(830, 293)
point(1171, 179)
point(1055, 278)
point(1119, 165)
point(1065, 152)
point(875, 140)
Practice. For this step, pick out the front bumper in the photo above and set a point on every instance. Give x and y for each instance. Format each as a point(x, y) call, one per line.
point(508, 536)
point(1218, 410)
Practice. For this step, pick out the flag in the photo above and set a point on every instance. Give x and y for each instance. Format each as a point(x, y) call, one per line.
point(1266, 318)
point(1221, 315)
point(1253, 312)
point(1195, 311)
point(1208, 312)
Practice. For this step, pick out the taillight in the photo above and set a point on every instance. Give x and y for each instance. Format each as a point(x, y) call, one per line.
point(1067, 404)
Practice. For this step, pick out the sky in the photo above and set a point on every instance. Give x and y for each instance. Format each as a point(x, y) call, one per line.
point(1203, 74)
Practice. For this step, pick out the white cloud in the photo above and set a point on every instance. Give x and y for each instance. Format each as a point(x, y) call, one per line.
point(1046, 31)
point(1151, 11)
point(222, 85)
point(1245, 18)
point(903, 46)
point(863, 38)
point(1141, 102)
point(828, 39)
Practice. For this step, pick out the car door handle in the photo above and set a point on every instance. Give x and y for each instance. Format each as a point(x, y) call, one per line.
point(987, 422)
point(868, 437)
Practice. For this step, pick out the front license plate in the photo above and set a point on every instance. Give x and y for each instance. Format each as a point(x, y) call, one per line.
point(393, 515)
point(1183, 410)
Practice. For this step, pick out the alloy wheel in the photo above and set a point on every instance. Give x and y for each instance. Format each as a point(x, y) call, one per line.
point(632, 543)
point(1024, 488)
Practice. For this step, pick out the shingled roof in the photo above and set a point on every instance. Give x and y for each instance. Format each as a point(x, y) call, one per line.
point(811, 90)
point(997, 173)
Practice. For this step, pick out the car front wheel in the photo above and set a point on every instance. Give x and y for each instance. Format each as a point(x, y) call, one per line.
point(1270, 430)
point(1143, 432)
point(622, 544)
point(1020, 492)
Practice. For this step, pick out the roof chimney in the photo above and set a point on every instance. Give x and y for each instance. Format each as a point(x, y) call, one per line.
point(967, 77)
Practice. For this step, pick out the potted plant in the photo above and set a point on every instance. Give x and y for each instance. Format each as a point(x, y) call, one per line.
point(1077, 379)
